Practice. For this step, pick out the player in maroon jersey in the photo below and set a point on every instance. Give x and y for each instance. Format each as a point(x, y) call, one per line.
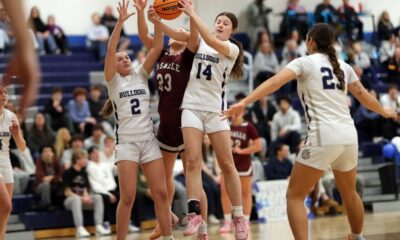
point(245, 141)
point(172, 75)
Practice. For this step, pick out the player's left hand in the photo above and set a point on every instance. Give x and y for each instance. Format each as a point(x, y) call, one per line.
point(152, 15)
point(237, 150)
point(187, 7)
point(14, 128)
point(123, 10)
point(234, 111)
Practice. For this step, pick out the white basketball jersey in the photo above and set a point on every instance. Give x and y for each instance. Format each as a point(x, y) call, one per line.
point(5, 122)
point(326, 106)
point(206, 89)
point(131, 102)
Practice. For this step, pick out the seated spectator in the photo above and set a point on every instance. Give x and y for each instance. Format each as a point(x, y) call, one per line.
point(40, 135)
point(257, 19)
point(359, 57)
point(109, 21)
point(63, 138)
point(393, 67)
point(387, 49)
point(262, 37)
point(321, 203)
point(21, 177)
point(97, 138)
point(79, 111)
point(76, 190)
point(286, 125)
point(325, 12)
point(391, 100)
point(76, 146)
point(301, 48)
point(102, 182)
point(368, 123)
point(42, 33)
point(263, 112)
point(48, 179)
point(290, 53)
point(58, 34)
point(108, 154)
point(139, 59)
point(279, 166)
point(96, 103)
point(349, 16)
point(266, 63)
point(6, 33)
point(56, 111)
point(385, 27)
point(98, 38)
point(295, 18)
point(328, 183)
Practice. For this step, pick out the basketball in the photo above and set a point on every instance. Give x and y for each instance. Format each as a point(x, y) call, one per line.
point(167, 9)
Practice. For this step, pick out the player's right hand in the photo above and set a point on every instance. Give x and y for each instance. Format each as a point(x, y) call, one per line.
point(390, 113)
point(234, 111)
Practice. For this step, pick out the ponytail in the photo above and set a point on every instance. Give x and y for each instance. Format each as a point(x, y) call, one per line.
point(237, 70)
point(331, 52)
point(107, 109)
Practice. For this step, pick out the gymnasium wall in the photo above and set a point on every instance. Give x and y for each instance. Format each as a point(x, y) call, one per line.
point(74, 15)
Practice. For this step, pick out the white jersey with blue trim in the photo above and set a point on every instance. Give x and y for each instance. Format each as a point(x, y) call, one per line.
point(131, 102)
point(206, 89)
point(5, 122)
point(326, 106)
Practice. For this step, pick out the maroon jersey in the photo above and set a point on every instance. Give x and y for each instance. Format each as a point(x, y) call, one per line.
point(172, 76)
point(241, 136)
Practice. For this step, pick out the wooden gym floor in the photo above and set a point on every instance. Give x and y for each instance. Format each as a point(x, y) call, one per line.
point(382, 226)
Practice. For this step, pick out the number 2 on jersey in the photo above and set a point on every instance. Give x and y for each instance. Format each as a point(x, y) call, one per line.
point(135, 105)
point(207, 72)
point(327, 78)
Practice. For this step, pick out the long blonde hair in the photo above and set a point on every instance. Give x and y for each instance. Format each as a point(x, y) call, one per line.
point(60, 145)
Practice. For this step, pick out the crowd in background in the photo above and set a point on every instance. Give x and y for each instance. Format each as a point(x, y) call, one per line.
point(71, 140)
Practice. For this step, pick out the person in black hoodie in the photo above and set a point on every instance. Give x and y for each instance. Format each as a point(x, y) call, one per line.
point(56, 111)
point(42, 33)
point(110, 21)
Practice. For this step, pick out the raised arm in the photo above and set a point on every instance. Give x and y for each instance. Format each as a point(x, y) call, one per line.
point(155, 51)
point(193, 43)
point(143, 30)
point(220, 46)
point(24, 62)
point(266, 88)
point(170, 32)
point(110, 68)
point(368, 101)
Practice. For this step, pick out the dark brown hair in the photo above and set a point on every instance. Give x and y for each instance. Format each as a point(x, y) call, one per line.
point(237, 70)
point(324, 37)
point(107, 109)
point(79, 91)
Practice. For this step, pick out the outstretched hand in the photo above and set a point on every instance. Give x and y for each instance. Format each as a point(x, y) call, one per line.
point(390, 113)
point(187, 7)
point(123, 10)
point(140, 5)
point(152, 15)
point(234, 111)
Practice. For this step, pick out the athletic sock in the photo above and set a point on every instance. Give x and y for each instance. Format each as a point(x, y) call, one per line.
point(194, 206)
point(203, 229)
point(357, 236)
point(237, 211)
point(247, 217)
point(228, 217)
point(170, 237)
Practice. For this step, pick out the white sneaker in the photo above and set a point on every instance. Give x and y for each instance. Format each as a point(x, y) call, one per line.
point(82, 233)
point(100, 230)
point(213, 219)
point(133, 229)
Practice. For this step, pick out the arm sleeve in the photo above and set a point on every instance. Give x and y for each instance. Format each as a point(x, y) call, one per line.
point(252, 132)
point(351, 74)
point(233, 50)
point(296, 66)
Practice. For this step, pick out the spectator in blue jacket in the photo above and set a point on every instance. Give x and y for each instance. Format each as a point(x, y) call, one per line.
point(279, 166)
point(79, 110)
